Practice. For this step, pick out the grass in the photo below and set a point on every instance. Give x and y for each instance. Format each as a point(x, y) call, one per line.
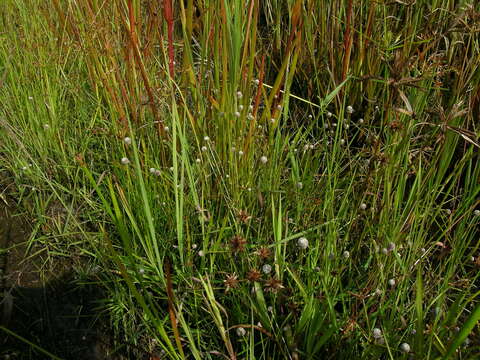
point(366, 116)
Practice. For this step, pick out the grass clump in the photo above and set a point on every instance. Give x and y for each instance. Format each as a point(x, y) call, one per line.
point(264, 180)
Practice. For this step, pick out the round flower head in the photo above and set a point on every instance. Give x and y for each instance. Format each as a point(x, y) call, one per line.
point(350, 109)
point(329, 114)
point(206, 138)
point(152, 170)
point(263, 159)
point(377, 333)
point(299, 185)
point(125, 161)
point(391, 282)
point(476, 212)
point(204, 148)
point(346, 254)
point(127, 140)
point(240, 107)
point(342, 142)
point(267, 269)
point(241, 332)
point(302, 243)
point(240, 153)
point(404, 347)
point(237, 114)
point(360, 121)
point(239, 95)
point(363, 206)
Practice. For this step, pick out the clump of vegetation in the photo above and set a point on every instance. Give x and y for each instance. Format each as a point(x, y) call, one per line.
point(255, 179)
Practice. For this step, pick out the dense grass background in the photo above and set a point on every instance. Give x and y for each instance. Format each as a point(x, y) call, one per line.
point(260, 179)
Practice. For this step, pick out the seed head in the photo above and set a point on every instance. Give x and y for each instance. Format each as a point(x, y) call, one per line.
point(263, 159)
point(302, 243)
point(360, 121)
point(166, 128)
point(476, 212)
point(264, 253)
point(391, 282)
point(346, 254)
point(349, 109)
point(273, 285)
point(363, 206)
point(237, 243)
point(237, 114)
point(342, 142)
point(240, 107)
point(239, 95)
point(201, 253)
point(127, 140)
point(198, 161)
point(204, 148)
point(230, 282)
point(240, 153)
point(254, 275)
point(377, 333)
point(206, 138)
point(125, 161)
point(329, 114)
point(391, 246)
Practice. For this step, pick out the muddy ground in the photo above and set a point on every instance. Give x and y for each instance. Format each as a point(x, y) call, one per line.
point(44, 304)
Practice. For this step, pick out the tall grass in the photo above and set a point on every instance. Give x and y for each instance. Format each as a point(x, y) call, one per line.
point(252, 125)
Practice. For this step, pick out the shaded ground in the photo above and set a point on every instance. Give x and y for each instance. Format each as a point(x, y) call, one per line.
point(59, 315)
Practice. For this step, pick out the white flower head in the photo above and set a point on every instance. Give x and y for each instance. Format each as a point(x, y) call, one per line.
point(240, 153)
point(125, 161)
point(476, 212)
point(127, 140)
point(263, 159)
point(241, 332)
point(404, 347)
point(363, 206)
point(206, 138)
point(349, 109)
point(152, 170)
point(346, 254)
point(204, 148)
point(391, 282)
point(267, 269)
point(239, 95)
point(302, 243)
point(377, 333)
point(237, 114)
point(329, 114)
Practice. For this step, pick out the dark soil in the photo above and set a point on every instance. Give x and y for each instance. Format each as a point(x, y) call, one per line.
point(59, 315)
